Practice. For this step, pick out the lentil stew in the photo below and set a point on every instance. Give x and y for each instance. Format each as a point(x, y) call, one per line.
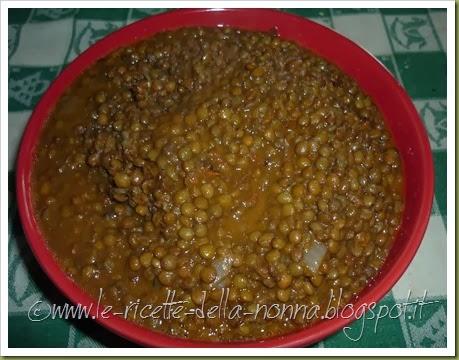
point(208, 159)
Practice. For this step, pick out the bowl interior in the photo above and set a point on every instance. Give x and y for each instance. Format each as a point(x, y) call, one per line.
point(400, 115)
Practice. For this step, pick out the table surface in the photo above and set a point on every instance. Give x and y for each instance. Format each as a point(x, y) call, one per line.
point(411, 43)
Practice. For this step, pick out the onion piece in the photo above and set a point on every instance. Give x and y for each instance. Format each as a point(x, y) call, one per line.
point(222, 267)
point(314, 255)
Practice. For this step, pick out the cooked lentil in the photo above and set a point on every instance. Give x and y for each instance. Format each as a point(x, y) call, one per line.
point(203, 159)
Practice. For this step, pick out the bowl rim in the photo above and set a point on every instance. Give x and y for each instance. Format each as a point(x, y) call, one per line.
point(142, 29)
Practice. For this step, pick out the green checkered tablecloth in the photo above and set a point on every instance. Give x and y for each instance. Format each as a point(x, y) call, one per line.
point(411, 43)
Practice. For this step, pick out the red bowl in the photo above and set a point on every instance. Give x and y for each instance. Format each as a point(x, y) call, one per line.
point(400, 115)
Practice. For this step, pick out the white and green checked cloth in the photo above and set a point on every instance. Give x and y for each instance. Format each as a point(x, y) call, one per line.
point(411, 43)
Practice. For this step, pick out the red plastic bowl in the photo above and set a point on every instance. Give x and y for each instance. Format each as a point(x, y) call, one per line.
point(400, 115)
